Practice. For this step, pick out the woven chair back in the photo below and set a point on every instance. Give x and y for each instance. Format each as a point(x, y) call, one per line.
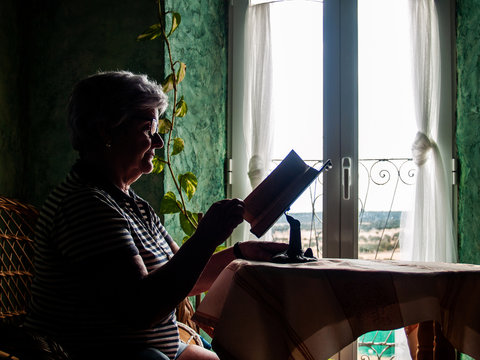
point(17, 222)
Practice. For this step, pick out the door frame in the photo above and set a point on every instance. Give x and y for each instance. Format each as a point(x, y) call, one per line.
point(340, 121)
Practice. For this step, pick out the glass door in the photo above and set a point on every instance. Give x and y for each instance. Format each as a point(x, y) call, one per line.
point(387, 126)
point(297, 50)
point(341, 93)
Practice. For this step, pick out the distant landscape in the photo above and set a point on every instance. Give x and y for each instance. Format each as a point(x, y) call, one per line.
point(377, 234)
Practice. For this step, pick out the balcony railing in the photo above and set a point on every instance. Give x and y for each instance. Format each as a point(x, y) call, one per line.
point(384, 187)
point(385, 190)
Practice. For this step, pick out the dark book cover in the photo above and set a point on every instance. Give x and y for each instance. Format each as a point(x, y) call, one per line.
point(274, 195)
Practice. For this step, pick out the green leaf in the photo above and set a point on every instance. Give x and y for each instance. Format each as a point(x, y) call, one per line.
point(158, 164)
point(178, 145)
point(176, 20)
point(182, 71)
point(164, 126)
point(187, 227)
point(151, 33)
point(167, 84)
point(181, 108)
point(169, 204)
point(185, 238)
point(188, 182)
point(220, 248)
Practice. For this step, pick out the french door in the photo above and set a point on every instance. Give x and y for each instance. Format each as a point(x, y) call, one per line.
point(344, 116)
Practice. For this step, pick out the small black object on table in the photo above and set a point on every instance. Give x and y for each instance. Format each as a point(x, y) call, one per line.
point(294, 253)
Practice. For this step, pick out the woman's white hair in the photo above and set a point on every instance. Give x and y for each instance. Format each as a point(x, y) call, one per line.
point(103, 101)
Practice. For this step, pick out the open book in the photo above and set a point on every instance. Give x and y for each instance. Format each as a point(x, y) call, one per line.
point(274, 195)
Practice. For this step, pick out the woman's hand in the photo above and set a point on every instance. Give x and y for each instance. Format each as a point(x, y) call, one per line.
point(261, 250)
point(220, 220)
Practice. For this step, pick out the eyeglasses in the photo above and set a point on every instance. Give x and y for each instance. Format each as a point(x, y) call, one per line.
point(154, 127)
point(153, 123)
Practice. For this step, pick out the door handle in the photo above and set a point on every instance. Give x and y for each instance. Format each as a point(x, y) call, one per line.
point(346, 177)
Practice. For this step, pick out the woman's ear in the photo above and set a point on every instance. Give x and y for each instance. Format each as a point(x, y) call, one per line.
point(104, 134)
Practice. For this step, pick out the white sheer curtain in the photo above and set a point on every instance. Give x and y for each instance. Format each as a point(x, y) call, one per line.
point(257, 112)
point(258, 122)
point(430, 233)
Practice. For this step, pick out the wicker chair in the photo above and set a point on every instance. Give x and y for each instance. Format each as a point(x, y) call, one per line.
point(17, 222)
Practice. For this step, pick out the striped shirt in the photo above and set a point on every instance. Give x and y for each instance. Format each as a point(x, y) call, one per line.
point(81, 222)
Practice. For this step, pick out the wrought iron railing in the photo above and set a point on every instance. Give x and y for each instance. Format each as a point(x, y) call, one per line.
point(377, 345)
point(389, 176)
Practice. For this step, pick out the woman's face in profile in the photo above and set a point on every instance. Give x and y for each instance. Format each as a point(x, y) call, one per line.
point(134, 145)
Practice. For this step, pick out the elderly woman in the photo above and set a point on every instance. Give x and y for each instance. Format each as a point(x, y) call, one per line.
point(108, 275)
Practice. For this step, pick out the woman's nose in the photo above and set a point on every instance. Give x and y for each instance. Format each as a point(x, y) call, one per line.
point(157, 141)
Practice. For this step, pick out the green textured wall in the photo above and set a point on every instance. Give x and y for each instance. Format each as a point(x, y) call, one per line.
point(13, 123)
point(468, 128)
point(70, 40)
point(201, 43)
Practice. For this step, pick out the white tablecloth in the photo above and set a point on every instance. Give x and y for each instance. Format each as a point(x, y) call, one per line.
point(257, 310)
